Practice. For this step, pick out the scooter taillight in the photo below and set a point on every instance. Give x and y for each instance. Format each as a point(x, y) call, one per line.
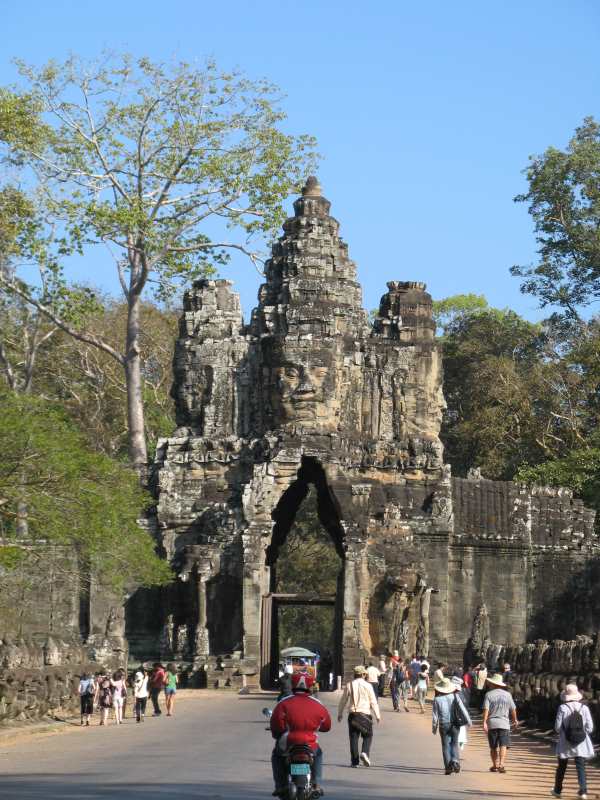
point(301, 756)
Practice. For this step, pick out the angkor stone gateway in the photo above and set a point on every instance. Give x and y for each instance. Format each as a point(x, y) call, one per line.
point(310, 393)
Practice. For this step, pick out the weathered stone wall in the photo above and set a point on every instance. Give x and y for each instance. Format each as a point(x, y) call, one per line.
point(521, 552)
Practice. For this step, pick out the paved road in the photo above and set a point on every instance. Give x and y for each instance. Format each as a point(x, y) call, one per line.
point(216, 748)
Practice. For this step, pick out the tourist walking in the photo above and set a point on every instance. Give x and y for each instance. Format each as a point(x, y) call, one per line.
point(499, 711)
point(361, 700)
point(449, 715)
point(574, 725)
point(414, 668)
point(481, 674)
point(439, 673)
point(140, 693)
point(105, 698)
point(373, 677)
point(467, 687)
point(87, 697)
point(383, 669)
point(119, 692)
point(170, 688)
point(400, 685)
point(422, 687)
point(156, 684)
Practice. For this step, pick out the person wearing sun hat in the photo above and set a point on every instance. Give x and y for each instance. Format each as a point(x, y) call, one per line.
point(446, 695)
point(574, 725)
point(361, 700)
point(499, 711)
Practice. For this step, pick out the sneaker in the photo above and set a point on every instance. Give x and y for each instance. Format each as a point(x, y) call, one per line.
point(354, 766)
point(365, 759)
point(582, 795)
point(456, 766)
point(554, 793)
point(449, 770)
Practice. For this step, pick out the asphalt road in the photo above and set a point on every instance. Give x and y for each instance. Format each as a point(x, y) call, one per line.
point(216, 748)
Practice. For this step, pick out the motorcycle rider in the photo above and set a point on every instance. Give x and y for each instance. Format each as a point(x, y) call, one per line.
point(296, 720)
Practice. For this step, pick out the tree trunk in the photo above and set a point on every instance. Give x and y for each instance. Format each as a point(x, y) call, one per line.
point(135, 385)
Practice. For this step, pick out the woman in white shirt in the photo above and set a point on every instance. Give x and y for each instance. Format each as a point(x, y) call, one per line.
point(362, 705)
point(140, 693)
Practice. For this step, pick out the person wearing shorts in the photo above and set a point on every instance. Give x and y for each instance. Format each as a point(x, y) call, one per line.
point(119, 692)
point(170, 688)
point(499, 711)
point(87, 693)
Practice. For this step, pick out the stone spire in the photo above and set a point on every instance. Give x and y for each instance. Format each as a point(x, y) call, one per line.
point(311, 285)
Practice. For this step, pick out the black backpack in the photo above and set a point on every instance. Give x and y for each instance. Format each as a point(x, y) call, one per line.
point(574, 727)
point(458, 717)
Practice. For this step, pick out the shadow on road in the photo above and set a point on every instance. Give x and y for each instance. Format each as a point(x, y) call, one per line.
point(64, 787)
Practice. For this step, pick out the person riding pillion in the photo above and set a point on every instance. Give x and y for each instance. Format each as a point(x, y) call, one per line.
point(296, 720)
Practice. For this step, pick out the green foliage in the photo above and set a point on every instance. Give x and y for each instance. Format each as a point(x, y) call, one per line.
point(564, 202)
point(90, 385)
point(446, 311)
point(579, 470)
point(138, 155)
point(74, 497)
point(496, 392)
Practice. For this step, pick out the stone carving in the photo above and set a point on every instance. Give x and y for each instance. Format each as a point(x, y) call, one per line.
point(307, 392)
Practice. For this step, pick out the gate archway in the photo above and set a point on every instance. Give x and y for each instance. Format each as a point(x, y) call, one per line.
point(310, 475)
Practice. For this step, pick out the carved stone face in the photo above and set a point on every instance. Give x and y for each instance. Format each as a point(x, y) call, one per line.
point(302, 387)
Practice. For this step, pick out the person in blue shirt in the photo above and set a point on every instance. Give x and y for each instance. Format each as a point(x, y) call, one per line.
point(443, 720)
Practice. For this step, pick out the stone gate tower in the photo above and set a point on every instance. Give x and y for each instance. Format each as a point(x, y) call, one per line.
point(310, 393)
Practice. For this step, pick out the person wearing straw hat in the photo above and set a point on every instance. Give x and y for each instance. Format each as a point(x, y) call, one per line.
point(574, 725)
point(499, 711)
point(362, 704)
point(448, 711)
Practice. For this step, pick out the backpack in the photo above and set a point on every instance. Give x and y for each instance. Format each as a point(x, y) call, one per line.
point(106, 693)
point(574, 727)
point(458, 718)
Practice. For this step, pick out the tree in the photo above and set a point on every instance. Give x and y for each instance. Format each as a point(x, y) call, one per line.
point(148, 160)
point(564, 202)
point(90, 385)
point(446, 311)
point(76, 499)
point(495, 392)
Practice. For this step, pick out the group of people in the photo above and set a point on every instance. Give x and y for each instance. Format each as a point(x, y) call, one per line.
point(455, 692)
point(109, 693)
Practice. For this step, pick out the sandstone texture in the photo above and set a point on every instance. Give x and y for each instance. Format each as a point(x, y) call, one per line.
point(310, 392)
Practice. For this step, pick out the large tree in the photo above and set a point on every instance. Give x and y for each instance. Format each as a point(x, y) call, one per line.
point(169, 168)
point(76, 499)
point(564, 202)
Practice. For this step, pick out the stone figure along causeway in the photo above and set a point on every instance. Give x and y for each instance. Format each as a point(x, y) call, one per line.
point(309, 393)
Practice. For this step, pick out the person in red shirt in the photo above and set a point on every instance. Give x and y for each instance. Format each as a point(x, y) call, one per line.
point(157, 684)
point(296, 720)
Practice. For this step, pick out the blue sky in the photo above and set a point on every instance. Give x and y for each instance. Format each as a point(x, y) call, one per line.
point(425, 113)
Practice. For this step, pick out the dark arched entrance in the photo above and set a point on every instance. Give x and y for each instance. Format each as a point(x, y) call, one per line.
point(311, 478)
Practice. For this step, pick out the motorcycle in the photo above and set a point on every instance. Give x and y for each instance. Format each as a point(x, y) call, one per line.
point(300, 761)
